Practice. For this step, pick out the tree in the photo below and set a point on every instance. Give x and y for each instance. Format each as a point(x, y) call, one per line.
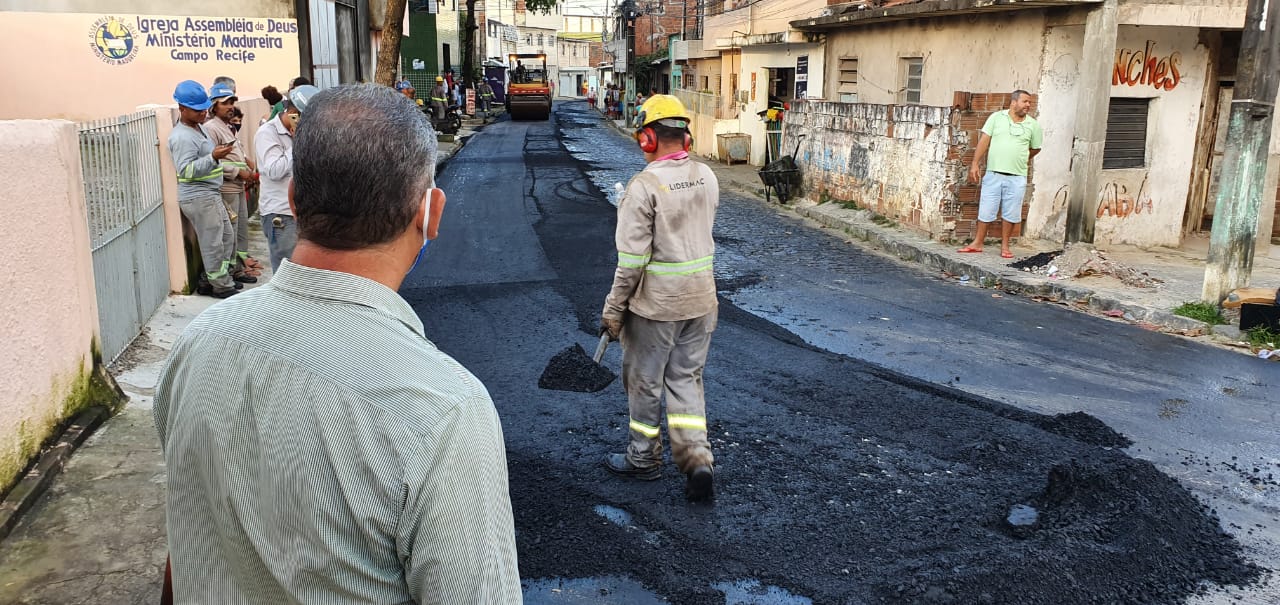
point(389, 50)
point(469, 46)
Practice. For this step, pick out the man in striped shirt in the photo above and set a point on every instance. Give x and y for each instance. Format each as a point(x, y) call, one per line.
point(319, 448)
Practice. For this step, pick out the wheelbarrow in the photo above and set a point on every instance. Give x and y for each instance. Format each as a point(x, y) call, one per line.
point(782, 175)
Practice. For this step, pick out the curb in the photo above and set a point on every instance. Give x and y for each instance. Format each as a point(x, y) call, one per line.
point(1010, 281)
point(38, 478)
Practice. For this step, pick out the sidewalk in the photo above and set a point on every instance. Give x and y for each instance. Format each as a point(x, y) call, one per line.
point(98, 534)
point(1181, 270)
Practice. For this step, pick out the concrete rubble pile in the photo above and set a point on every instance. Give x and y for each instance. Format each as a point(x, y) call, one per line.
point(1081, 260)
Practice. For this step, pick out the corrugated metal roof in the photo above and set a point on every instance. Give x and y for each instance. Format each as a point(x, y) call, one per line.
point(840, 16)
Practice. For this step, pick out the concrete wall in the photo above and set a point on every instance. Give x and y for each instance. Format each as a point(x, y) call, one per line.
point(50, 49)
point(280, 9)
point(754, 18)
point(903, 162)
point(49, 313)
point(1141, 206)
point(1223, 14)
point(993, 52)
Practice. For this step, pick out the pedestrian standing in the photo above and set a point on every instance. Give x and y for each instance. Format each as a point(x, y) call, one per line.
point(318, 448)
point(274, 145)
point(439, 98)
point(662, 305)
point(1010, 138)
point(237, 172)
point(199, 165)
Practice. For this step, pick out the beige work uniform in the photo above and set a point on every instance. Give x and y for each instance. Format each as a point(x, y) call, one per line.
point(664, 291)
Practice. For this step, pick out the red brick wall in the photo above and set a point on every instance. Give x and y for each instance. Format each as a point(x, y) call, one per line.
point(652, 31)
point(974, 109)
point(597, 53)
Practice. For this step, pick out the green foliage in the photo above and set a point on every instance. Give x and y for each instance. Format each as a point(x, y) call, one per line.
point(1263, 337)
point(884, 221)
point(542, 6)
point(1201, 311)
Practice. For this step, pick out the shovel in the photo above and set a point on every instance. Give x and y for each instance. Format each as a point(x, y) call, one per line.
point(572, 370)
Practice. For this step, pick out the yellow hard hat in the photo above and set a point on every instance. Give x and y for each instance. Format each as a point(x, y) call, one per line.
point(439, 78)
point(664, 107)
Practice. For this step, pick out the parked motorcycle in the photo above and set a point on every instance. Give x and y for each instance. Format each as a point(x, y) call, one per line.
point(451, 123)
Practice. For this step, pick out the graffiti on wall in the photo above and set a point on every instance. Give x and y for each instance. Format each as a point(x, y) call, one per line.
point(1117, 202)
point(1146, 67)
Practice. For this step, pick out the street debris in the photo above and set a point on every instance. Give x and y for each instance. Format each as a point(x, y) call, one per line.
point(1080, 260)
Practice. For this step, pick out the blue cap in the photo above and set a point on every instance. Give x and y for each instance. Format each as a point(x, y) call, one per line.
point(403, 85)
point(190, 93)
point(221, 91)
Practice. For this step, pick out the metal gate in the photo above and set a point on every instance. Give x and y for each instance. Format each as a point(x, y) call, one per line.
point(120, 159)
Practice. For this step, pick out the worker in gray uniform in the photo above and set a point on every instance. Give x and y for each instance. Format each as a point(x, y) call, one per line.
point(198, 162)
point(662, 305)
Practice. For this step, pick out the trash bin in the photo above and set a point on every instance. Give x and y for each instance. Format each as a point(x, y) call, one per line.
point(734, 147)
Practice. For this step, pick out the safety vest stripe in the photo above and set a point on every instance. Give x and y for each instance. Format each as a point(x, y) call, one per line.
point(236, 164)
point(705, 259)
point(632, 260)
point(644, 429)
point(687, 421)
point(216, 174)
point(660, 271)
point(221, 272)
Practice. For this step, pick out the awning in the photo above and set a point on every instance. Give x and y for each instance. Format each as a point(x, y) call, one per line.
point(851, 15)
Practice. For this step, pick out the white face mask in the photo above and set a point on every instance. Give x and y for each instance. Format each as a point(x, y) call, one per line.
point(426, 218)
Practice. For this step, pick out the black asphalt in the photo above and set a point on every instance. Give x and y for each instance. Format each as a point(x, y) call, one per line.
point(838, 480)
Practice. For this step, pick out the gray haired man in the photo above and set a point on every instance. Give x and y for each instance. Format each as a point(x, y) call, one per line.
point(363, 465)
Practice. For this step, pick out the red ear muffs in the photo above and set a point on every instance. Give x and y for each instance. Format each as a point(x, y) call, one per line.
point(648, 139)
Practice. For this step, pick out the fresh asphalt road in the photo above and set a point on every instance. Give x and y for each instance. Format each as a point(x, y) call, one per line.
point(836, 386)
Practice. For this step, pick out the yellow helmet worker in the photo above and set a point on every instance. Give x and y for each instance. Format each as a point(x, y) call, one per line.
point(663, 110)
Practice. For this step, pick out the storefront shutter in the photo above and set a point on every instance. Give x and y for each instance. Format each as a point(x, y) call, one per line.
point(1126, 145)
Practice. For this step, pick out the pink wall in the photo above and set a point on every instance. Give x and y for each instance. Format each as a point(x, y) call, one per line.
point(49, 313)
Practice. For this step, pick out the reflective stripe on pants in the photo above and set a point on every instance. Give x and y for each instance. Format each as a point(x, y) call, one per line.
point(667, 357)
point(217, 239)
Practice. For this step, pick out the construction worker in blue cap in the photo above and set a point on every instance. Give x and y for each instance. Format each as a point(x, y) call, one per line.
point(200, 175)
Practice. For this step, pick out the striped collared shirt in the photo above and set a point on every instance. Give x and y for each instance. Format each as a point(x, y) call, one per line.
point(321, 450)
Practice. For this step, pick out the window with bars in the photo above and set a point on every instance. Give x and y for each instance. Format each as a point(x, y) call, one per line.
point(912, 79)
point(1126, 145)
point(847, 90)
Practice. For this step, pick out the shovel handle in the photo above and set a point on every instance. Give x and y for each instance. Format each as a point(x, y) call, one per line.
point(604, 344)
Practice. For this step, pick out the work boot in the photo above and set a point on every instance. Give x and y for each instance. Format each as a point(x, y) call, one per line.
point(698, 487)
point(224, 293)
point(245, 278)
point(619, 465)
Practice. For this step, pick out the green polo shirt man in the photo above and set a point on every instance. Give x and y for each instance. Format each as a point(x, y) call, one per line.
point(1010, 138)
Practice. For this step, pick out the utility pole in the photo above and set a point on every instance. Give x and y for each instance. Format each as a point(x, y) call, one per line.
point(629, 14)
point(1096, 65)
point(1244, 165)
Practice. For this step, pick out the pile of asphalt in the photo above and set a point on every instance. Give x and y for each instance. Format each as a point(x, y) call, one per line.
point(573, 370)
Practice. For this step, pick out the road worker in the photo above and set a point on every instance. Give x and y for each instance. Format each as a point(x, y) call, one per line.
point(439, 98)
point(663, 302)
point(199, 162)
